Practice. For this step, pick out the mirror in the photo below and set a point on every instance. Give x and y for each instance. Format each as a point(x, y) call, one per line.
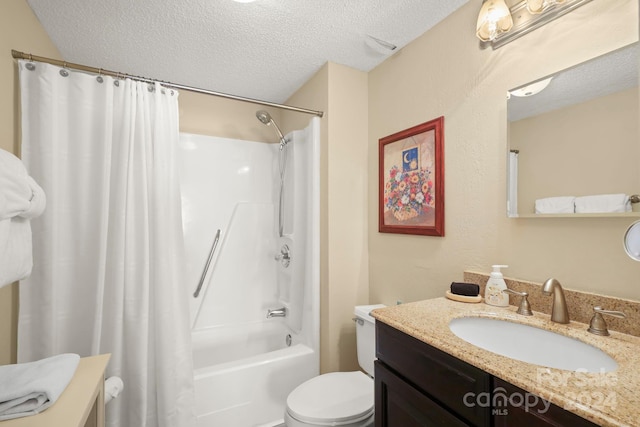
point(632, 241)
point(574, 135)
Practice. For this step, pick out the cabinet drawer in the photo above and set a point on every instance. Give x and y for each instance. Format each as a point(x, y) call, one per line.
point(398, 404)
point(443, 377)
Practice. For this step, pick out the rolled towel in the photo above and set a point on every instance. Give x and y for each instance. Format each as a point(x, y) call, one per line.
point(555, 205)
point(30, 388)
point(603, 203)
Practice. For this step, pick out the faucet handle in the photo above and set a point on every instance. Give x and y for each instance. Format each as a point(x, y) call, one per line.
point(524, 308)
point(597, 325)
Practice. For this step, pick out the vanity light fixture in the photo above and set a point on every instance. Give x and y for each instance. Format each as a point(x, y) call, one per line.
point(497, 27)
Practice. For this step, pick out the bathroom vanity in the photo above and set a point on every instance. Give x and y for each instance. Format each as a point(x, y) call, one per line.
point(427, 376)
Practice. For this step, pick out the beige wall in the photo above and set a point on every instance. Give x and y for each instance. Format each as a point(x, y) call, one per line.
point(444, 72)
point(19, 30)
point(342, 93)
point(209, 115)
point(585, 149)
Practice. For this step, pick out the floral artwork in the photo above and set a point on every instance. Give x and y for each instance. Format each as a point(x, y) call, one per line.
point(411, 181)
point(408, 194)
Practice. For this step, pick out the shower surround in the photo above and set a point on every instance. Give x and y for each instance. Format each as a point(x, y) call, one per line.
point(246, 364)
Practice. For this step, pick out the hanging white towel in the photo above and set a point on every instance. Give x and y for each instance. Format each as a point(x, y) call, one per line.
point(555, 205)
point(16, 259)
point(603, 203)
point(21, 199)
point(20, 195)
point(30, 388)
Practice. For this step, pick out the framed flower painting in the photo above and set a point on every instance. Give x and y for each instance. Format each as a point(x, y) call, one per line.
point(411, 177)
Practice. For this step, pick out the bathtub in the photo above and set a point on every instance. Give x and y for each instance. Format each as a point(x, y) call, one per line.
point(244, 373)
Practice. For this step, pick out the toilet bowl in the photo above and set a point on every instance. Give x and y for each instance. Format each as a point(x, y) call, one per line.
point(342, 399)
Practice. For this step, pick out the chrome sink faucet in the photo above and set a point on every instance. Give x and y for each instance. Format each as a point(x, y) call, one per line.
point(559, 311)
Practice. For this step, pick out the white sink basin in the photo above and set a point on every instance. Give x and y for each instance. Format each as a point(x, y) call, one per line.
point(532, 345)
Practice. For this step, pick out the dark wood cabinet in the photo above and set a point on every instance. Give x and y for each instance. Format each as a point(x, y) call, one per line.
point(399, 404)
point(417, 385)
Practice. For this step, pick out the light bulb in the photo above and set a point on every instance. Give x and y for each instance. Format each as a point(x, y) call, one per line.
point(538, 6)
point(494, 19)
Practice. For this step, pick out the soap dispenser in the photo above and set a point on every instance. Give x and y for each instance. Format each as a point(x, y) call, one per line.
point(493, 294)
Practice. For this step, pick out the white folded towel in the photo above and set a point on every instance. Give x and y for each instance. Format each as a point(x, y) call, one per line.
point(21, 199)
point(603, 203)
point(554, 205)
point(30, 388)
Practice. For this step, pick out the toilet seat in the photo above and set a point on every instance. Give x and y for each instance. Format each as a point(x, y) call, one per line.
point(334, 399)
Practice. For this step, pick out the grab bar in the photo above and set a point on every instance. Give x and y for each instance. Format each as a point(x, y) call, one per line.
point(206, 267)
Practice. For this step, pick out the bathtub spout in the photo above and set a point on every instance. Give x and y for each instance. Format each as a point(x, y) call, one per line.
point(279, 312)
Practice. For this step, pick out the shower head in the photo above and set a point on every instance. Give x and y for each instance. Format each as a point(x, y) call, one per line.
point(266, 118)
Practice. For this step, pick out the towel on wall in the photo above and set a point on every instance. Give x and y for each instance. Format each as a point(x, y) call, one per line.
point(555, 205)
point(603, 203)
point(30, 388)
point(21, 199)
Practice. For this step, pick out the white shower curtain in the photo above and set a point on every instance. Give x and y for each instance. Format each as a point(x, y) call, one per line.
point(108, 251)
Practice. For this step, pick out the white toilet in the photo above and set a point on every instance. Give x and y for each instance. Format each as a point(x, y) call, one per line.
point(342, 399)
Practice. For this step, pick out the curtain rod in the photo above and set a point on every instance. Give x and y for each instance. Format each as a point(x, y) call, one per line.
point(21, 55)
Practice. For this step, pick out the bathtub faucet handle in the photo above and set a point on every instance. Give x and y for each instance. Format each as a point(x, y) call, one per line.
point(278, 312)
point(284, 256)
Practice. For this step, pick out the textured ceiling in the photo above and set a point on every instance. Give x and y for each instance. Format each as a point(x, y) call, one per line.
point(604, 75)
point(264, 50)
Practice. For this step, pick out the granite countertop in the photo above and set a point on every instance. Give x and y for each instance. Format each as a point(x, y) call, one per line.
point(608, 399)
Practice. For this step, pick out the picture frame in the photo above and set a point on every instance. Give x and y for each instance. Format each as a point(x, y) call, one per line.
point(411, 180)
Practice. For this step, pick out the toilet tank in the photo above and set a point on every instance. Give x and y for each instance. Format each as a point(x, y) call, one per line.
point(366, 336)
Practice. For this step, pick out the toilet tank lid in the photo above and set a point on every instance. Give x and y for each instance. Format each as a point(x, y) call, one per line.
point(362, 311)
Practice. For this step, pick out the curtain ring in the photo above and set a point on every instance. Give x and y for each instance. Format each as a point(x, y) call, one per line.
point(99, 78)
point(64, 72)
point(30, 57)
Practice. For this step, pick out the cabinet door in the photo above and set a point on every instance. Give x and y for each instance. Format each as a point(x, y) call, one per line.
point(398, 404)
point(536, 415)
point(435, 373)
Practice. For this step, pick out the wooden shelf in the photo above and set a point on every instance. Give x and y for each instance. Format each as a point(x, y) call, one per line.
point(80, 405)
point(581, 215)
